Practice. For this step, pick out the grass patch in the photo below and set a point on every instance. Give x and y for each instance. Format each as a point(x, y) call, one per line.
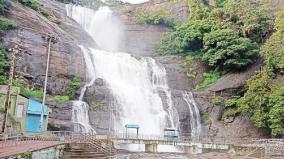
point(38, 94)
point(61, 99)
point(6, 24)
point(209, 78)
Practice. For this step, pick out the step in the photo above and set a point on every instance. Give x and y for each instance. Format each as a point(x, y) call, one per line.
point(84, 156)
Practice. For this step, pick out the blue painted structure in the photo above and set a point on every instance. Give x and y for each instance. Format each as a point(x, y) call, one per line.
point(132, 126)
point(170, 134)
point(33, 116)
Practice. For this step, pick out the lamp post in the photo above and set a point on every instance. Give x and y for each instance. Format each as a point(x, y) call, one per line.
point(51, 39)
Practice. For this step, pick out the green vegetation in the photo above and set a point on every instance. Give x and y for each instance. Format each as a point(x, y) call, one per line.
point(205, 118)
point(191, 74)
point(226, 35)
point(160, 17)
point(3, 61)
point(264, 98)
point(231, 102)
point(61, 99)
point(186, 37)
point(95, 105)
point(216, 101)
point(252, 19)
point(193, 56)
point(264, 101)
point(33, 93)
point(209, 78)
point(6, 24)
point(34, 4)
point(231, 109)
point(273, 50)
point(73, 86)
point(225, 50)
point(230, 112)
point(2, 5)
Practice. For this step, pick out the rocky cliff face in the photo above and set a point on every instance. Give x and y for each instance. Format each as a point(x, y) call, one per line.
point(65, 61)
point(144, 39)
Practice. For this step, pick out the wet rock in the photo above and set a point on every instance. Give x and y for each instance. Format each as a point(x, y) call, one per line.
point(100, 100)
point(229, 119)
point(60, 119)
point(145, 39)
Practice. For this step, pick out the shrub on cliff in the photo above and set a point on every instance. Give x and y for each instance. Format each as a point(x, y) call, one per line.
point(225, 50)
point(3, 60)
point(264, 102)
point(34, 4)
point(160, 17)
point(252, 19)
point(73, 86)
point(2, 5)
point(273, 50)
point(186, 37)
point(6, 24)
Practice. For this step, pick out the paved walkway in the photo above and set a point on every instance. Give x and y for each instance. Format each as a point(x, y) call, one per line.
point(13, 148)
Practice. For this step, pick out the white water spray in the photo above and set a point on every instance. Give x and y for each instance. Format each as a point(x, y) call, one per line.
point(140, 88)
point(194, 115)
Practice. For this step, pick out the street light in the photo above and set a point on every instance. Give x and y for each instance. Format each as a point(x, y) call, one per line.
point(51, 40)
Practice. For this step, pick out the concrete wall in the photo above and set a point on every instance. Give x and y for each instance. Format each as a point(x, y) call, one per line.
point(49, 153)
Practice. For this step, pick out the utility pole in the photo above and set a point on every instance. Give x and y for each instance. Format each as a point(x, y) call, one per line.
point(51, 39)
point(15, 51)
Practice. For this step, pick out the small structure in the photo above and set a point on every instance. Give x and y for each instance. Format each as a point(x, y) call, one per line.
point(132, 126)
point(170, 133)
point(18, 107)
point(33, 116)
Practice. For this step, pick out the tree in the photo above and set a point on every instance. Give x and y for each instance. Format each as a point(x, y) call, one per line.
point(264, 102)
point(186, 37)
point(252, 19)
point(273, 50)
point(276, 113)
point(226, 50)
point(256, 98)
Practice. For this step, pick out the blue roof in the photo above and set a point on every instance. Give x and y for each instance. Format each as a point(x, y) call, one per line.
point(132, 126)
point(35, 107)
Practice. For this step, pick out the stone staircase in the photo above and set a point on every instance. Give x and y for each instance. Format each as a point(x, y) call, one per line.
point(92, 149)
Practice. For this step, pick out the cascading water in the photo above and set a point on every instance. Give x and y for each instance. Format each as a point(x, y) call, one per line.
point(194, 115)
point(140, 88)
point(135, 83)
point(80, 109)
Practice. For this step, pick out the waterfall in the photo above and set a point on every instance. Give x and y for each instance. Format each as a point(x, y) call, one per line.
point(194, 115)
point(130, 1)
point(139, 86)
point(80, 109)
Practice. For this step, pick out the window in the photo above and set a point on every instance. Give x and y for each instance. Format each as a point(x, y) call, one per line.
point(20, 111)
